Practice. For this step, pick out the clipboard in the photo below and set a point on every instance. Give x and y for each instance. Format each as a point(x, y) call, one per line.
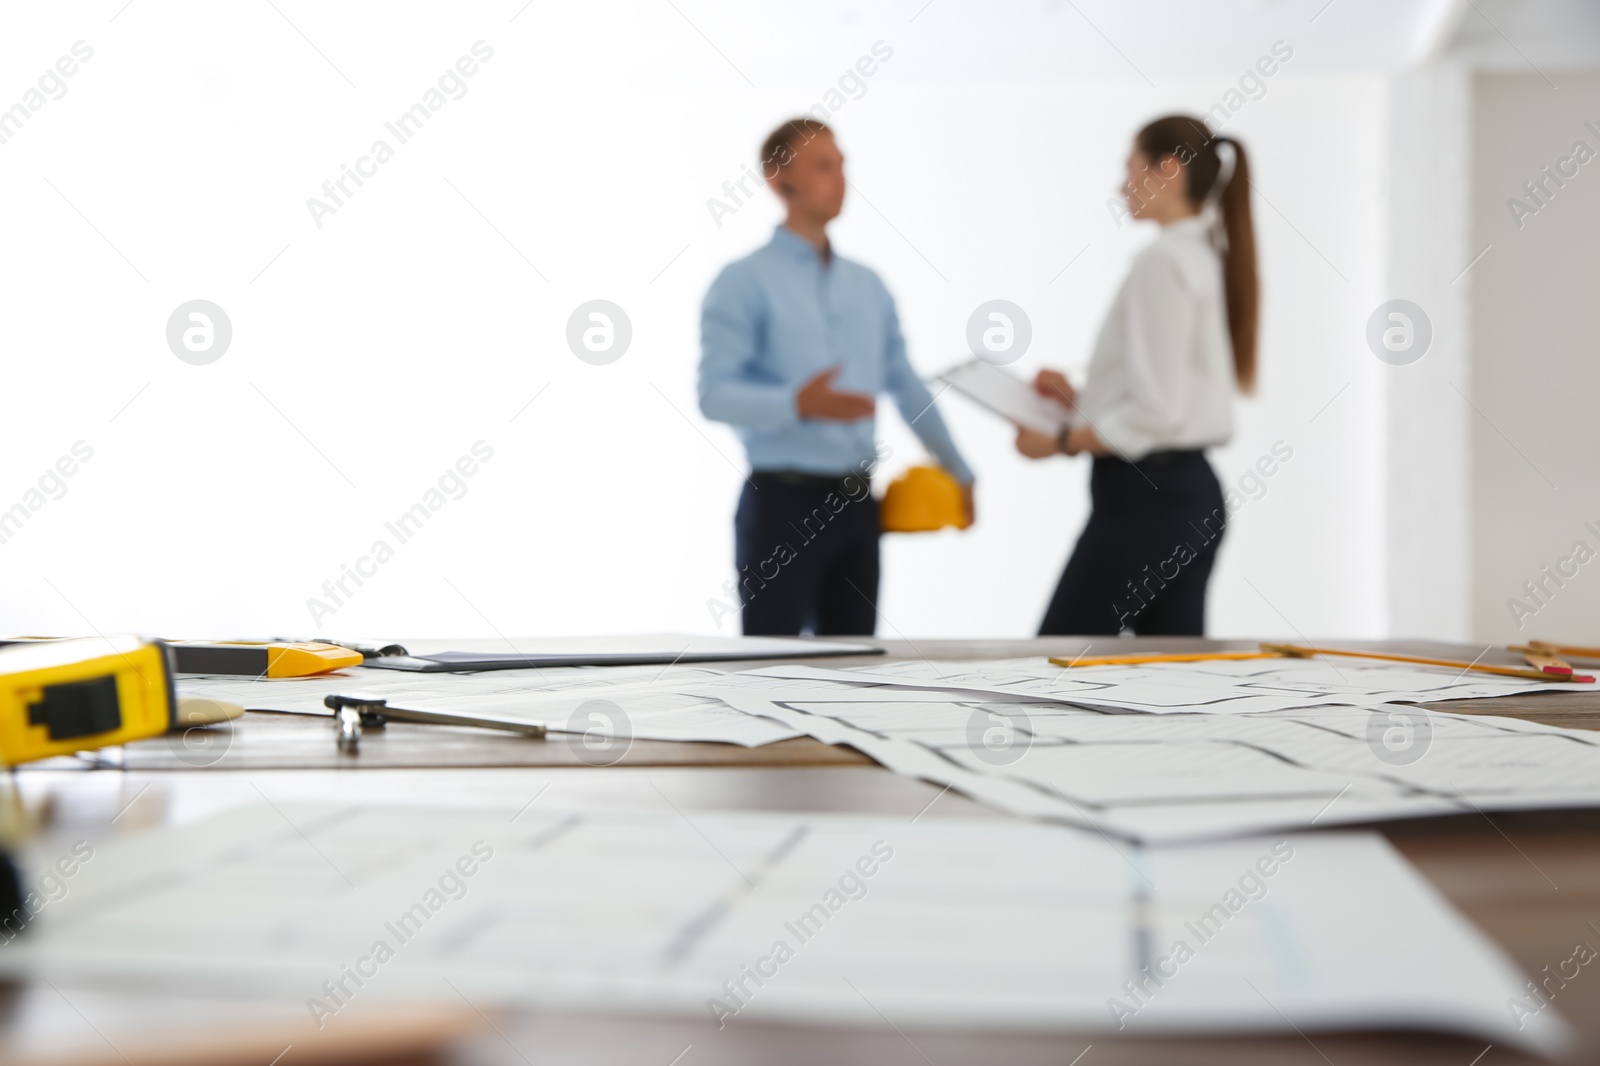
point(1003, 393)
point(661, 649)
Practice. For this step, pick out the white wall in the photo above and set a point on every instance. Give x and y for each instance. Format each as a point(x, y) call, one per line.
point(1427, 411)
point(374, 351)
point(1536, 362)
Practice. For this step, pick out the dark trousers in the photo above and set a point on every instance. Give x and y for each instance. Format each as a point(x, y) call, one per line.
point(807, 552)
point(1145, 556)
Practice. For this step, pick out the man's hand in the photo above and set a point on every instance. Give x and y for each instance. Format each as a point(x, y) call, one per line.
point(1035, 445)
point(1053, 385)
point(968, 504)
point(818, 398)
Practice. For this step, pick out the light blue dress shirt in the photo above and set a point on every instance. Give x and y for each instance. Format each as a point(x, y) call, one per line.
point(778, 317)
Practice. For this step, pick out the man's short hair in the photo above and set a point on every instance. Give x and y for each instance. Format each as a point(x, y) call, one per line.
point(779, 149)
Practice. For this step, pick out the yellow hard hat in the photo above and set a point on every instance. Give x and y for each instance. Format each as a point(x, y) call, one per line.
point(921, 500)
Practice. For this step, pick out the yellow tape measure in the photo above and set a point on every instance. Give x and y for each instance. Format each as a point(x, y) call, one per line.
point(62, 696)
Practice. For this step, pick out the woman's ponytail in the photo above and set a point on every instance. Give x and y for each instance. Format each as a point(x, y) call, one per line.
point(1239, 266)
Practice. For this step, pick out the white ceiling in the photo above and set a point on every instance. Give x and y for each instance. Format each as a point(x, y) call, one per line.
point(1530, 34)
point(1062, 41)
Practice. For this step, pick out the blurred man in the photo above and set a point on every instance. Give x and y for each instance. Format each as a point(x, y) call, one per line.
point(796, 343)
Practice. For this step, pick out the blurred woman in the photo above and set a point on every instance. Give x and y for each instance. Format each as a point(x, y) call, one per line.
point(1178, 341)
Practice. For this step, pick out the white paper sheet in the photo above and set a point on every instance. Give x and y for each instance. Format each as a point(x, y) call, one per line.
point(971, 924)
point(645, 702)
point(1221, 687)
point(1175, 777)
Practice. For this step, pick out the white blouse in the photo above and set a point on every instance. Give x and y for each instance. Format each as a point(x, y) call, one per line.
point(1162, 372)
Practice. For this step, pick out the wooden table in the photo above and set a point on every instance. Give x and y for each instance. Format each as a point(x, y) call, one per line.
point(1530, 881)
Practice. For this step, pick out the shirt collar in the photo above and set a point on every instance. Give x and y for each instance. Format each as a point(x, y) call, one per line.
point(794, 245)
point(1192, 226)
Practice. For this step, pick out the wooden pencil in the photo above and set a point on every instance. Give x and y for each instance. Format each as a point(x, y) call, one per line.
point(1158, 657)
point(1303, 652)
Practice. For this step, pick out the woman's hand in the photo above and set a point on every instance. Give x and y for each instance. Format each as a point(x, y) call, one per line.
point(1035, 445)
point(1053, 385)
point(1083, 440)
